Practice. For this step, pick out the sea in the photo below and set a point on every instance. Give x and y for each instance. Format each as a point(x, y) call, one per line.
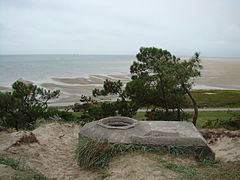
point(42, 68)
point(218, 73)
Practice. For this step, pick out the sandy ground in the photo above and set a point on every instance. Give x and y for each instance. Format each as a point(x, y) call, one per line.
point(138, 166)
point(225, 143)
point(222, 73)
point(53, 154)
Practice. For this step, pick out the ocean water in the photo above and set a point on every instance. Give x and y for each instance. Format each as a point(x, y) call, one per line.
point(42, 68)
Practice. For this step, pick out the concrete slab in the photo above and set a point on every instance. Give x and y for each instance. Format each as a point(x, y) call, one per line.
point(158, 133)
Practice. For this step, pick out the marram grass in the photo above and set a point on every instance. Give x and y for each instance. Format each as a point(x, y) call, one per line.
point(95, 154)
point(23, 171)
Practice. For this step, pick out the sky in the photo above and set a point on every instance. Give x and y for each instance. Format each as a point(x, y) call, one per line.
point(211, 27)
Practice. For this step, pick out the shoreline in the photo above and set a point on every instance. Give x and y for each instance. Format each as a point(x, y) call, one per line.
point(71, 89)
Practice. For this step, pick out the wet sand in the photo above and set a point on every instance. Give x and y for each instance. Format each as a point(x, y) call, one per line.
point(221, 73)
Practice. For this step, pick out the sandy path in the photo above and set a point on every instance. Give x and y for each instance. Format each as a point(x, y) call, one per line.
point(225, 143)
point(138, 167)
point(53, 156)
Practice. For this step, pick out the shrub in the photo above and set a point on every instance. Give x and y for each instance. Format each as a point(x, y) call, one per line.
point(93, 111)
point(160, 115)
point(22, 107)
point(233, 123)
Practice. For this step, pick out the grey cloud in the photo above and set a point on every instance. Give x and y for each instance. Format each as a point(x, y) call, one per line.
point(120, 27)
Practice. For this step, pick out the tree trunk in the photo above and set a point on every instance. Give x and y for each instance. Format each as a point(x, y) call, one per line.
point(164, 97)
point(179, 114)
point(195, 115)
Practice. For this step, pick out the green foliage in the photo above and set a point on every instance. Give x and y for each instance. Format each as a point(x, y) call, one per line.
point(23, 171)
point(127, 108)
point(86, 103)
point(217, 98)
point(231, 123)
point(109, 87)
point(22, 107)
point(160, 79)
point(122, 105)
point(159, 115)
point(92, 111)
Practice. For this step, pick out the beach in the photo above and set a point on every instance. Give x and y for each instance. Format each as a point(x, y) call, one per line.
point(79, 75)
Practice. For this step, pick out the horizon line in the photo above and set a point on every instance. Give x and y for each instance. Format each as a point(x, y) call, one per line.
point(75, 54)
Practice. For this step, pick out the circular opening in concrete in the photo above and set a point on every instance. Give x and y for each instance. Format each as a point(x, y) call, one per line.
point(117, 123)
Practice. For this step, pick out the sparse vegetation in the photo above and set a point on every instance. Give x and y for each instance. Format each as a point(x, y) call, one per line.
point(214, 170)
point(96, 154)
point(232, 122)
point(23, 170)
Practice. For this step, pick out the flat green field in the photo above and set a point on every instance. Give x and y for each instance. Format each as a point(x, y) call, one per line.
point(217, 98)
point(203, 116)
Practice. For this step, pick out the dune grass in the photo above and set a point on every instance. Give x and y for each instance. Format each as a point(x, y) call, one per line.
point(23, 170)
point(214, 170)
point(95, 154)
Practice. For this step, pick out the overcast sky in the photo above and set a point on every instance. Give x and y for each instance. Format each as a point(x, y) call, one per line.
point(183, 27)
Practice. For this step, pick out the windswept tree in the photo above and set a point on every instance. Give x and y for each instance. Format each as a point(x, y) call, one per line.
point(159, 79)
point(162, 80)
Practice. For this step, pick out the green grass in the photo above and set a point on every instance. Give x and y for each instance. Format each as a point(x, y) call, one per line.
point(205, 170)
point(217, 98)
point(203, 117)
point(95, 154)
point(23, 171)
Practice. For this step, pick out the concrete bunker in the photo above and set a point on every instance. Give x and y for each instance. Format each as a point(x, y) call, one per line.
point(117, 123)
point(158, 133)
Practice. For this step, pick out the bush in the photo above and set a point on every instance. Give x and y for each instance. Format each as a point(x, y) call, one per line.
point(127, 108)
point(160, 115)
point(98, 112)
point(22, 107)
point(93, 111)
point(233, 123)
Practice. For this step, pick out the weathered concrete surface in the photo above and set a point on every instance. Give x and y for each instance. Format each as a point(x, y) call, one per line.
point(114, 134)
point(159, 133)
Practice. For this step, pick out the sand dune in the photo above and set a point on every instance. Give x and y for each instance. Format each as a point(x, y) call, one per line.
point(53, 155)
